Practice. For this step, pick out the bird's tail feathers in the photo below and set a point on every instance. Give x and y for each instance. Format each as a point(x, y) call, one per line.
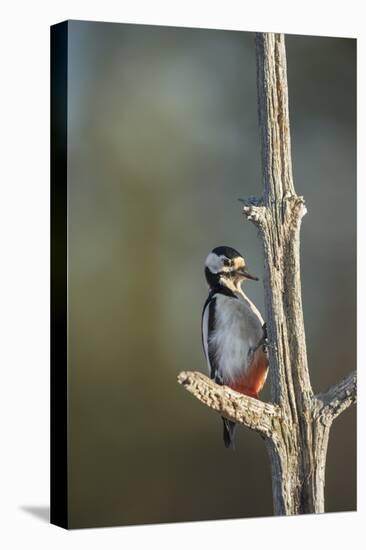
point(229, 433)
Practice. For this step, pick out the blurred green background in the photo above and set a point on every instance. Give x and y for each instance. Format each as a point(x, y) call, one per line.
point(163, 140)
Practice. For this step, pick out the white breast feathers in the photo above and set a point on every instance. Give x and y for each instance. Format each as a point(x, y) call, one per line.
point(238, 329)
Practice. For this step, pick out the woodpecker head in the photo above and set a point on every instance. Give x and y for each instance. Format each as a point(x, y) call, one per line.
point(226, 266)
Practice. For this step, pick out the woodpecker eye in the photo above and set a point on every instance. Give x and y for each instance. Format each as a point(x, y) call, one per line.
point(227, 262)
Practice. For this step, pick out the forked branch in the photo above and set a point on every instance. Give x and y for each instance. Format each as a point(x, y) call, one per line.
point(338, 398)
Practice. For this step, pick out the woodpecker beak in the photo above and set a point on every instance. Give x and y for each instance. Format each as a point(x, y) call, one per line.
point(247, 275)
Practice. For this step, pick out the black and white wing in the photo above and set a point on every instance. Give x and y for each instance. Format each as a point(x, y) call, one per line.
point(207, 328)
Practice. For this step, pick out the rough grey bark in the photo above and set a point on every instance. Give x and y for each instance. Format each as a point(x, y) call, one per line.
point(254, 414)
point(296, 425)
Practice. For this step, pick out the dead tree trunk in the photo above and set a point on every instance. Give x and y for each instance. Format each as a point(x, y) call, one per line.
point(296, 425)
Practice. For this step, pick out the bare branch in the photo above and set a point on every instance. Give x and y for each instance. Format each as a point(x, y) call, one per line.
point(338, 397)
point(296, 425)
point(254, 414)
point(278, 217)
point(274, 121)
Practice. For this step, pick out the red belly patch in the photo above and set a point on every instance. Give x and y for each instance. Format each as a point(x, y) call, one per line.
point(252, 381)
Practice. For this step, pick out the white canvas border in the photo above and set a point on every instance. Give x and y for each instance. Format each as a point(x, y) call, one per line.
point(25, 272)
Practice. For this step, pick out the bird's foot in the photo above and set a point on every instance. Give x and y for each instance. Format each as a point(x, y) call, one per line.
point(219, 379)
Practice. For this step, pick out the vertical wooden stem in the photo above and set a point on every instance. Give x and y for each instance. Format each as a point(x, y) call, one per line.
point(279, 219)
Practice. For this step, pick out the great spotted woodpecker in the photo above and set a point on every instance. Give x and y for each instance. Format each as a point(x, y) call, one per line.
point(233, 332)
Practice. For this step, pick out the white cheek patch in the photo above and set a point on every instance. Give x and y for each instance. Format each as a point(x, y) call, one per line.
point(214, 263)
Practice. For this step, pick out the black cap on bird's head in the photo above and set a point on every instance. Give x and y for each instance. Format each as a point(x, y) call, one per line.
point(225, 265)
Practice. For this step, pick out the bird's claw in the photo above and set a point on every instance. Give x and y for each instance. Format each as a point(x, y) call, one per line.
point(219, 379)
